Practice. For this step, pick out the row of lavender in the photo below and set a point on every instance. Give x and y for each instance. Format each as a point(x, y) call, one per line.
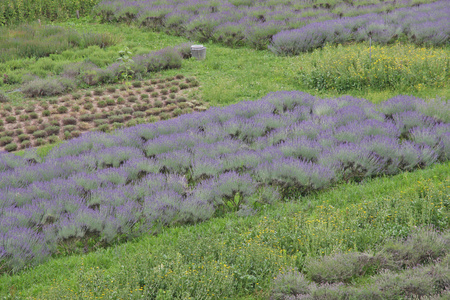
point(256, 23)
point(187, 169)
point(425, 25)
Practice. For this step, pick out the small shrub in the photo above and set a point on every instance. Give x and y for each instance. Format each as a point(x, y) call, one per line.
point(104, 127)
point(69, 128)
point(86, 117)
point(25, 144)
point(120, 100)
point(100, 122)
point(164, 116)
point(84, 126)
point(10, 119)
point(181, 99)
point(34, 115)
point(51, 130)
point(98, 91)
point(76, 108)
point(144, 96)
point(101, 104)
point(154, 94)
point(69, 121)
point(158, 104)
point(131, 123)
point(177, 112)
point(62, 109)
point(29, 109)
point(111, 89)
point(164, 92)
point(110, 102)
point(39, 142)
point(123, 88)
point(76, 96)
point(179, 76)
point(11, 147)
point(172, 96)
point(9, 133)
point(194, 84)
point(88, 106)
point(137, 84)
point(19, 131)
point(31, 129)
point(149, 89)
point(87, 94)
point(139, 114)
point(76, 133)
point(127, 110)
point(116, 119)
point(160, 86)
point(132, 99)
point(53, 139)
point(46, 113)
point(117, 125)
point(174, 89)
point(67, 135)
point(24, 117)
point(1, 123)
point(5, 140)
point(153, 81)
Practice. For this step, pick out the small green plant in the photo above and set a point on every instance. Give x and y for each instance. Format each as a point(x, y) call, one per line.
point(98, 92)
point(104, 127)
point(125, 62)
point(111, 89)
point(5, 140)
point(34, 115)
point(46, 113)
point(137, 84)
point(25, 144)
point(23, 137)
point(149, 89)
point(76, 96)
point(10, 119)
point(24, 117)
point(158, 103)
point(183, 86)
point(101, 104)
point(62, 109)
point(11, 147)
point(53, 139)
point(39, 142)
point(132, 99)
point(110, 102)
point(120, 100)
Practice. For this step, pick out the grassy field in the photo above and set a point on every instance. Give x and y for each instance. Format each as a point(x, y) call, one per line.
point(385, 237)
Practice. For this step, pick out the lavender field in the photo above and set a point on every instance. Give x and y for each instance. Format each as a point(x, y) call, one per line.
point(188, 169)
point(288, 27)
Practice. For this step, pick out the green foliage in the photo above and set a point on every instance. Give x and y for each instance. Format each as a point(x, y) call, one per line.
point(19, 11)
point(125, 62)
point(35, 41)
point(360, 67)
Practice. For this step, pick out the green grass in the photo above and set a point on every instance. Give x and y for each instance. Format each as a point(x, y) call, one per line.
point(241, 255)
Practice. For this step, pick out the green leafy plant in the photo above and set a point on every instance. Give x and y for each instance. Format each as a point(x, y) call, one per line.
point(125, 62)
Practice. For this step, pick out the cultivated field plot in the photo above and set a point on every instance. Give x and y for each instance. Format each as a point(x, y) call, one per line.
point(188, 169)
point(63, 118)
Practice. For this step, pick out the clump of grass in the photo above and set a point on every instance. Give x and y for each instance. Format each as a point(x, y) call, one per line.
point(99, 91)
point(137, 84)
point(62, 109)
point(149, 89)
point(111, 89)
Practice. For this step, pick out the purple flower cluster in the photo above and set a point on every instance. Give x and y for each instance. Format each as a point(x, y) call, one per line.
point(187, 169)
point(255, 22)
point(427, 24)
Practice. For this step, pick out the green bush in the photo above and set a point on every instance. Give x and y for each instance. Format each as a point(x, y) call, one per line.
point(3, 97)
point(10, 119)
point(5, 140)
point(11, 147)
